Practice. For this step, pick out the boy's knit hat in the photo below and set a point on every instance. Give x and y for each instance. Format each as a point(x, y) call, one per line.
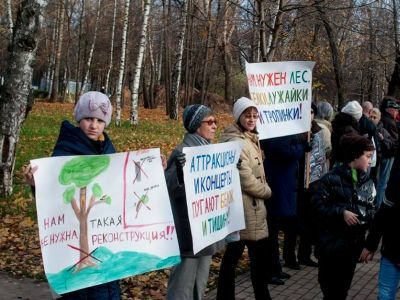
point(354, 109)
point(353, 146)
point(93, 105)
point(240, 106)
point(193, 115)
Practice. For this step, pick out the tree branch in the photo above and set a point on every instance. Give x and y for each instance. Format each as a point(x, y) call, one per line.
point(75, 208)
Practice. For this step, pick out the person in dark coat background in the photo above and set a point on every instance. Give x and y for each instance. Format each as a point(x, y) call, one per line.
point(281, 164)
point(385, 226)
point(344, 205)
point(346, 121)
point(389, 110)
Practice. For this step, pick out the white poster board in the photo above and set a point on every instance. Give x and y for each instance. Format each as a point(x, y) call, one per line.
point(213, 193)
point(103, 217)
point(283, 94)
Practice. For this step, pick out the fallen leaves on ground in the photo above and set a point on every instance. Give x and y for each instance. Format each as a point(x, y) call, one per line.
point(20, 253)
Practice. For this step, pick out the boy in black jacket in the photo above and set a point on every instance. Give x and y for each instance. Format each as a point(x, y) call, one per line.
point(344, 204)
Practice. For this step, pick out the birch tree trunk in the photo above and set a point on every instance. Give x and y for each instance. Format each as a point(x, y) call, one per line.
point(153, 75)
point(122, 65)
point(78, 57)
point(52, 60)
point(134, 116)
point(90, 57)
point(16, 89)
point(207, 53)
point(228, 16)
point(10, 24)
point(59, 46)
point(166, 52)
point(275, 27)
point(262, 24)
point(110, 65)
point(177, 69)
point(189, 46)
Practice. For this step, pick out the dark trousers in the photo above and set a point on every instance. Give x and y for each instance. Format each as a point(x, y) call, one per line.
point(336, 271)
point(258, 269)
point(105, 291)
point(308, 227)
point(289, 227)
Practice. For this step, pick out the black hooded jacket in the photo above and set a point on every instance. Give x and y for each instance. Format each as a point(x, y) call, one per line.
point(337, 192)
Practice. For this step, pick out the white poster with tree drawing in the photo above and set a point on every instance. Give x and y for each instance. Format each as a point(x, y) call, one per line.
point(106, 216)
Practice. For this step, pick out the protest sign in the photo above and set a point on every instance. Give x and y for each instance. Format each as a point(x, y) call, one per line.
point(103, 218)
point(213, 193)
point(282, 92)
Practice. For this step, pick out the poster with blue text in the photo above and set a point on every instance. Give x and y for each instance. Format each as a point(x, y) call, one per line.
point(103, 217)
point(213, 193)
point(283, 94)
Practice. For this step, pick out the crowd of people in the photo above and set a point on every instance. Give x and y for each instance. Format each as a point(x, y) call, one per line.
point(331, 192)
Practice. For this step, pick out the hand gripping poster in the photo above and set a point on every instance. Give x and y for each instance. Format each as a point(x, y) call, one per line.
point(103, 218)
point(283, 94)
point(213, 193)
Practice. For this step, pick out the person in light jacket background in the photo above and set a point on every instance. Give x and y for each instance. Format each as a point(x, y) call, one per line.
point(255, 191)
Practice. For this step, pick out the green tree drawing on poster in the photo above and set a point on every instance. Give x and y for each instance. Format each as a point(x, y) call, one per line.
point(78, 173)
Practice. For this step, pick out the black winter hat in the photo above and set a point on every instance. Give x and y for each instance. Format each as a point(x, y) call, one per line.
point(353, 146)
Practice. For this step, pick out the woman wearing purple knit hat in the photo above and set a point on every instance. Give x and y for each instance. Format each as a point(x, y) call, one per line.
point(93, 114)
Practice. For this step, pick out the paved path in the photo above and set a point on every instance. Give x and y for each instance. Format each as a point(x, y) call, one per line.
point(25, 289)
point(304, 284)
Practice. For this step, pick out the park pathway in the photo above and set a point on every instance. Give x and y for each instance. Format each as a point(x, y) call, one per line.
point(304, 284)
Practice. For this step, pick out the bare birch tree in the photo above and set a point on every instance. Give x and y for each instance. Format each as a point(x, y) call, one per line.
point(228, 15)
point(59, 47)
point(10, 24)
point(90, 57)
point(110, 65)
point(208, 12)
point(134, 115)
point(16, 89)
point(78, 56)
point(177, 69)
point(122, 65)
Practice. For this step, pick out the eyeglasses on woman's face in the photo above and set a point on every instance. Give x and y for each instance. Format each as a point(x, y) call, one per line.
point(210, 122)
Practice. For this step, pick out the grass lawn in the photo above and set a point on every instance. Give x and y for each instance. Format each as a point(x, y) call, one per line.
point(19, 242)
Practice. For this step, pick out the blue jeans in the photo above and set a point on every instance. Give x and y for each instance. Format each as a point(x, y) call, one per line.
point(383, 178)
point(389, 278)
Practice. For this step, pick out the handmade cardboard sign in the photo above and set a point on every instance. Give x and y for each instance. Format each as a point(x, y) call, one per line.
point(103, 218)
point(213, 193)
point(282, 92)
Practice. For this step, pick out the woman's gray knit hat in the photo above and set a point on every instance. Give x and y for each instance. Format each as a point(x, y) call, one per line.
point(93, 105)
point(193, 115)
